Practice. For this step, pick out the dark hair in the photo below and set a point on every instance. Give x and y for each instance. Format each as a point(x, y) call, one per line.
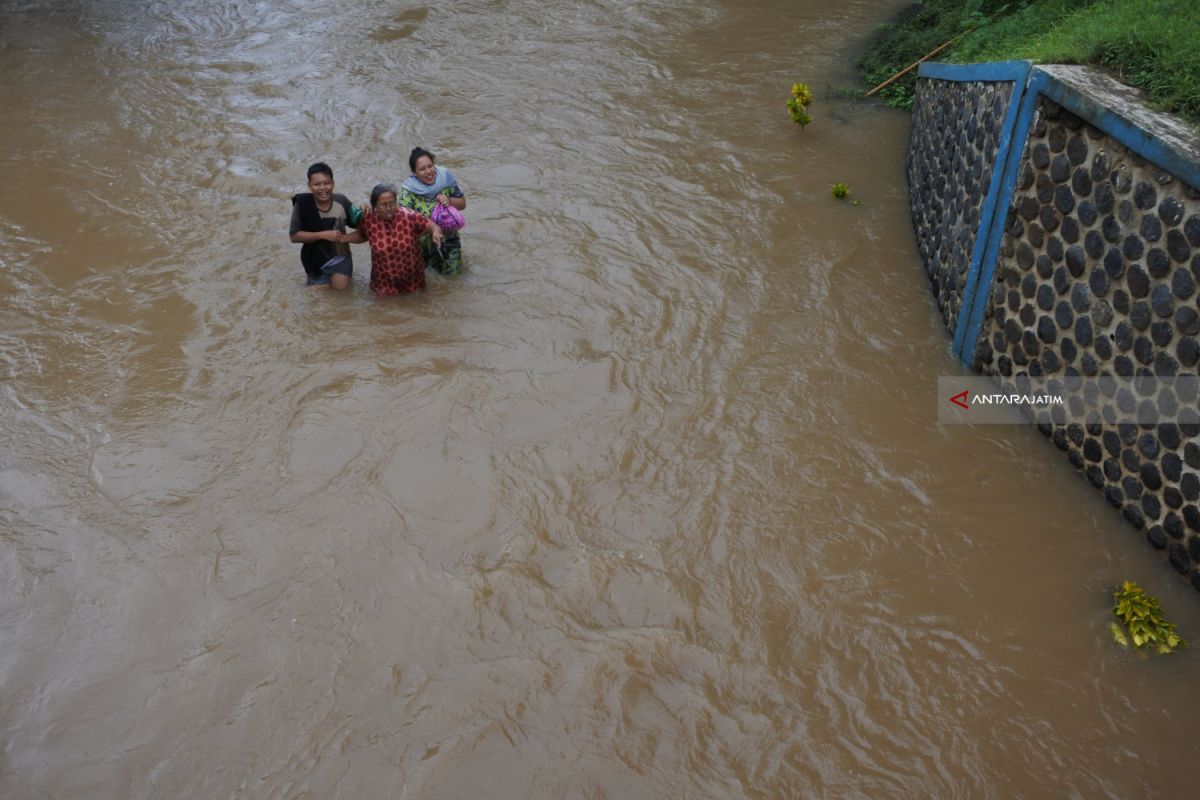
point(382, 189)
point(416, 153)
point(320, 166)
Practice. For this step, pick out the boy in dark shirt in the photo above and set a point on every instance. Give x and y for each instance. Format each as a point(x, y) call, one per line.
point(319, 220)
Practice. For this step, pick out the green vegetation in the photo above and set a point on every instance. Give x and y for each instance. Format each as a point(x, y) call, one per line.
point(798, 104)
point(1151, 44)
point(840, 190)
point(1143, 618)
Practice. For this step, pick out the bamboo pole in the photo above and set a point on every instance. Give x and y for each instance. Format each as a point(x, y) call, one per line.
point(916, 63)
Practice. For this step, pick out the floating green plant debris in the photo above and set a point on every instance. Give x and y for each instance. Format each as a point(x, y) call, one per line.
point(798, 104)
point(1143, 618)
point(840, 190)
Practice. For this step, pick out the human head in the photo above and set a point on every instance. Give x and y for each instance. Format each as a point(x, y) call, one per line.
point(387, 194)
point(320, 182)
point(421, 162)
point(320, 166)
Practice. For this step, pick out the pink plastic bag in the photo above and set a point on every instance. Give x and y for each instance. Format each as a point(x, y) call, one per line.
point(448, 218)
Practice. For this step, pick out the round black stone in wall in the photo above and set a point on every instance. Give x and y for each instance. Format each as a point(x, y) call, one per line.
point(1171, 497)
point(1040, 155)
point(1034, 233)
point(1062, 280)
point(1081, 298)
point(1168, 435)
point(1025, 255)
point(1013, 298)
point(1111, 229)
point(1091, 447)
point(1191, 517)
point(1139, 315)
point(1044, 188)
point(1151, 228)
point(1094, 474)
point(1060, 169)
point(1077, 150)
point(1177, 557)
point(1172, 467)
point(1069, 230)
point(1191, 229)
point(1087, 213)
point(1191, 455)
point(1132, 248)
point(1157, 262)
point(1075, 433)
point(1114, 263)
point(1173, 525)
point(1120, 301)
point(1183, 284)
point(1102, 313)
point(1012, 330)
point(1143, 350)
point(1029, 343)
point(1134, 517)
point(1138, 281)
point(1048, 217)
point(1189, 486)
point(1123, 336)
point(1050, 361)
point(1028, 316)
point(1188, 351)
point(1163, 301)
point(1177, 246)
point(1083, 331)
point(1093, 245)
point(1064, 200)
point(1187, 320)
point(1151, 506)
point(1103, 345)
point(1028, 208)
point(1162, 334)
point(1144, 196)
point(1081, 184)
point(1057, 138)
point(1150, 477)
point(1054, 248)
point(1076, 260)
point(1044, 266)
point(1112, 443)
point(1194, 552)
point(1112, 471)
point(1170, 210)
point(1045, 297)
point(1106, 199)
point(1098, 281)
point(1029, 285)
point(1147, 445)
point(1088, 365)
point(1100, 166)
point(1132, 463)
point(1156, 537)
point(1063, 315)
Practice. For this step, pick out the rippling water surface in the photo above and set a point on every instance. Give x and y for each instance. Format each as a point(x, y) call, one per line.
point(649, 502)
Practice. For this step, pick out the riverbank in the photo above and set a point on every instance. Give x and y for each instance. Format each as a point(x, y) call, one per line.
point(1149, 44)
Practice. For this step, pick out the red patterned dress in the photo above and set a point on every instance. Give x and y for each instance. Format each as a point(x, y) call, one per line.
point(397, 265)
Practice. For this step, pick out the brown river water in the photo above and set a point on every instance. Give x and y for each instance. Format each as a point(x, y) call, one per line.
point(650, 502)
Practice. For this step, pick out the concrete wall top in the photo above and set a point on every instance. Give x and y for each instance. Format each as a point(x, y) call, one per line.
point(1123, 113)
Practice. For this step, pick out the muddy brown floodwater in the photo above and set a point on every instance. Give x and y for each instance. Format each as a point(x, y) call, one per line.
point(651, 502)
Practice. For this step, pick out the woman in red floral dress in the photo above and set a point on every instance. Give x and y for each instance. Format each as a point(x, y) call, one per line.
point(397, 265)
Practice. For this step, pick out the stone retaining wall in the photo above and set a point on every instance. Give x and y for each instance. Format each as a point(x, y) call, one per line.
point(1096, 274)
point(952, 158)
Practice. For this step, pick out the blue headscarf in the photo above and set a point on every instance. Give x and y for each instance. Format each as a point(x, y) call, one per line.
point(442, 180)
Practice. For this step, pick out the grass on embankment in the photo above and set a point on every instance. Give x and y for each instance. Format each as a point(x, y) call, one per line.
point(1151, 44)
